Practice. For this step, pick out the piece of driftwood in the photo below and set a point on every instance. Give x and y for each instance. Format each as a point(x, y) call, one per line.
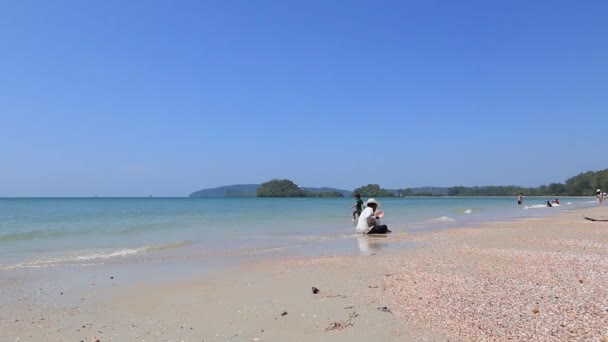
point(594, 220)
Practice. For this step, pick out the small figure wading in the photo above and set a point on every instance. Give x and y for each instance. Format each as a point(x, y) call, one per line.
point(520, 199)
point(358, 207)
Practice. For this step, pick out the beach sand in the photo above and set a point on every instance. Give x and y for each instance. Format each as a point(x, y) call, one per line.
point(533, 279)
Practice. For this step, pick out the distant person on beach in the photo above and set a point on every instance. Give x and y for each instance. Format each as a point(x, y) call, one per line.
point(598, 196)
point(369, 222)
point(358, 206)
point(549, 204)
point(520, 199)
point(556, 201)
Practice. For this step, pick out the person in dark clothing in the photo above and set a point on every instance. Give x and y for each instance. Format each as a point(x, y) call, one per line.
point(358, 207)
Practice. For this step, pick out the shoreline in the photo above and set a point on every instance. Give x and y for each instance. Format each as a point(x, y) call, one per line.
point(530, 278)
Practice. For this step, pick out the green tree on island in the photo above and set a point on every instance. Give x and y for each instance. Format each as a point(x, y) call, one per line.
point(287, 188)
point(373, 190)
point(279, 188)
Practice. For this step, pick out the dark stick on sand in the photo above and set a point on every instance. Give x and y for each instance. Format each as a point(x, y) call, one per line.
point(594, 220)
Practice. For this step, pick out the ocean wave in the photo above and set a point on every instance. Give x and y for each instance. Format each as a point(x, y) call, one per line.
point(438, 221)
point(98, 255)
point(468, 211)
point(442, 219)
point(536, 206)
point(39, 234)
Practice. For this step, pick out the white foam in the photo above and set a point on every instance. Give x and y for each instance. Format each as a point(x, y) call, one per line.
point(91, 256)
point(535, 206)
point(442, 219)
point(119, 253)
point(468, 211)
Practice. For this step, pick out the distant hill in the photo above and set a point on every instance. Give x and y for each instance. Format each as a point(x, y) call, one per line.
point(431, 190)
point(236, 190)
point(249, 190)
point(346, 193)
point(421, 191)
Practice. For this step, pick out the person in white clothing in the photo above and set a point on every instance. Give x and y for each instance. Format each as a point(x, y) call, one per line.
point(368, 222)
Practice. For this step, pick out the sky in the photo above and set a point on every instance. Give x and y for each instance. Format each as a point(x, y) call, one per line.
point(163, 98)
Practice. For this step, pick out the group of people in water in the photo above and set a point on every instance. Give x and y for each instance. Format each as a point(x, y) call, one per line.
point(367, 217)
point(520, 201)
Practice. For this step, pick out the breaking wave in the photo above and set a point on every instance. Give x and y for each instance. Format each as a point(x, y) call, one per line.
point(92, 256)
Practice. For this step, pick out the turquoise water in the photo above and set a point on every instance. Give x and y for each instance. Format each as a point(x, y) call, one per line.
point(45, 232)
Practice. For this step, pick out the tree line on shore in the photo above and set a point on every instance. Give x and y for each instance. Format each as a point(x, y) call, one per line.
point(584, 184)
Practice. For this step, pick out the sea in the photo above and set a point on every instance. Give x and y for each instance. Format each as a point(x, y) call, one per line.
point(206, 233)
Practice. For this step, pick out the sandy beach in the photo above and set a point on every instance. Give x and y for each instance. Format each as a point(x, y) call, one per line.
point(533, 279)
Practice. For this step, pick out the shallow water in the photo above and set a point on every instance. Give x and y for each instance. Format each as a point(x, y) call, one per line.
point(47, 232)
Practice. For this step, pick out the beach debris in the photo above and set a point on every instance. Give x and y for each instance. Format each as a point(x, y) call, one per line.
point(595, 220)
point(581, 281)
point(384, 309)
point(335, 296)
point(315, 290)
point(349, 307)
point(112, 277)
point(535, 311)
point(341, 325)
point(284, 313)
point(335, 326)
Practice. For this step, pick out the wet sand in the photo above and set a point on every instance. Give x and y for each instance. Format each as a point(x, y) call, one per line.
point(533, 279)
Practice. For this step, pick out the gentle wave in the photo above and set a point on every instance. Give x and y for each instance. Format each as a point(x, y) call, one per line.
point(442, 219)
point(40, 234)
point(56, 233)
point(93, 256)
point(432, 222)
point(536, 206)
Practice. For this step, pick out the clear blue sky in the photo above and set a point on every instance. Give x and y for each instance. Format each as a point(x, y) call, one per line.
point(137, 98)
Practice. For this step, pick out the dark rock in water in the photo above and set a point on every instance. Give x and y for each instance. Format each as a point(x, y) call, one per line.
point(284, 313)
point(315, 290)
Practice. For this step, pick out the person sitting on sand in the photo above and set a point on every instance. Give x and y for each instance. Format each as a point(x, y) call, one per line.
point(369, 223)
point(358, 206)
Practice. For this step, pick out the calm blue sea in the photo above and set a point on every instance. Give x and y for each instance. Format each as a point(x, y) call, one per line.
point(47, 232)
